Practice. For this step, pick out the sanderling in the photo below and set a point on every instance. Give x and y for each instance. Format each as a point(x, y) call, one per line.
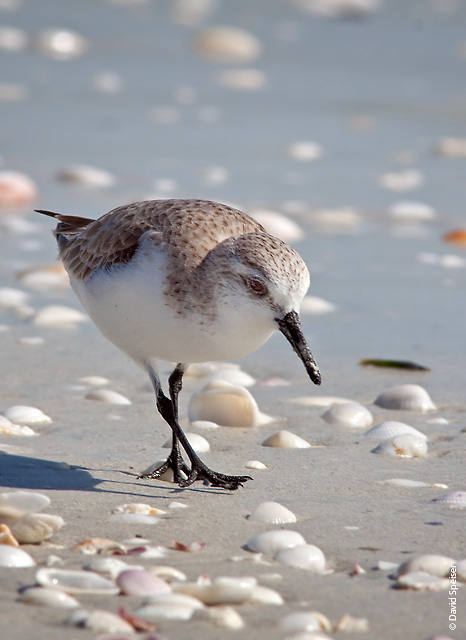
point(184, 281)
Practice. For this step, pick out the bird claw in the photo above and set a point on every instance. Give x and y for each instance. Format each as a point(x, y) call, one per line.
point(174, 462)
point(201, 472)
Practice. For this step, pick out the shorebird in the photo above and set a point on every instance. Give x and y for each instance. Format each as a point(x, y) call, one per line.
point(184, 281)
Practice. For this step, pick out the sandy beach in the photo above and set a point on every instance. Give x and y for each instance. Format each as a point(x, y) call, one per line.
point(337, 122)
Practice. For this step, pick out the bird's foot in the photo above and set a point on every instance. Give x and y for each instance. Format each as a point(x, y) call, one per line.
point(200, 471)
point(174, 462)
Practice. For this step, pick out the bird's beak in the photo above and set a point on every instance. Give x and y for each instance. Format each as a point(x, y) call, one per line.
point(290, 326)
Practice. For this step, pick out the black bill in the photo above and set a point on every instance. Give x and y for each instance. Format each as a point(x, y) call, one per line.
point(290, 326)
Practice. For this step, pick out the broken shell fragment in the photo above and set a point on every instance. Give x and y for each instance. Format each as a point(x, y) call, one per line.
point(73, 581)
point(6, 537)
point(272, 513)
point(348, 414)
point(22, 414)
point(285, 440)
point(453, 499)
point(405, 446)
point(304, 556)
point(271, 542)
point(422, 581)
point(138, 507)
point(392, 428)
point(35, 527)
point(408, 397)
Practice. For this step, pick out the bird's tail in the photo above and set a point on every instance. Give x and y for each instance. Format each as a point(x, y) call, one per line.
point(67, 225)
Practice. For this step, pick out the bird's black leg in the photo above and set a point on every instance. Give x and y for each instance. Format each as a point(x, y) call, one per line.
point(168, 409)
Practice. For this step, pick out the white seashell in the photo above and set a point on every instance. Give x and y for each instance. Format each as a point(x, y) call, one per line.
point(153, 552)
point(14, 504)
point(134, 518)
point(286, 440)
point(47, 597)
point(265, 595)
point(24, 414)
point(405, 482)
point(227, 44)
point(271, 542)
point(198, 443)
point(351, 624)
point(304, 556)
point(453, 499)
point(349, 9)
point(304, 150)
point(412, 211)
point(137, 582)
point(86, 176)
point(461, 570)
point(169, 606)
point(138, 507)
point(31, 341)
point(422, 581)
point(405, 446)
point(226, 404)
point(204, 424)
point(99, 621)
point(108, 396)
point(392, 428)
point(223, 590)
point(176, 504)
point(233, 376)
point(278, 225)
point(348, 414)
point(342, 219)
point(242, 79)
point(15, 300)
point(75, 581)
point(272, 513)
point(320, 401)
point(255, 464)
point(316, 306)
point(16, 190)
point(7, 428)
point(59, 316)
point(405, 180)
point(94, 381)
point(109, 567)
point(223, 616)
point(35, 527)
point(409, 397)
point(169, 574)
point(47, 277)
point(14, 557)
point(385, 565)
point(61, 44)
point(204, 369)
point(436, 565)
point(305, 621)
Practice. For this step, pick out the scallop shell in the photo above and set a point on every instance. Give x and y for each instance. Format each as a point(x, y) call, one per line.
point(59, 316)
point(285, 440)
point(305, 621)
point(23, 414)
point(100, 621)
point(271, 542)
point(304, 556)
point(169, 606)
point(422, 581)
point(255, 464)
point(226, 404)
point(108, 396)
point(14, 557)
point(47, 597)
point(392, 428)
point(405, 446)
point(223, 590)
point(137, 582)
point(453, 498)
point(14, 504)
point(408, 397)
point(198, 443)
point(35, 527)
point(436, 565)
point(227, 44)
point(75, 581)
point(87, 176)
point(348, 414)
point(272, 513)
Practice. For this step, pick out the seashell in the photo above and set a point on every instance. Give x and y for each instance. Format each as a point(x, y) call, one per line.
point(137, 582)
point(169, 574)
point(94, 381)
point(278, 225)
point(223, 590)
point(222, 616)
point(14, 504)
point(461, 570)
point(92, 546)
point(271, 542)
point(35, 527)
point(349, 9)
point(350, 624)
point(392, 428)
point(15, 301)
point(286, 440)
point(75, 581)
point(12, 39)
point(198, 443)
point(60, 44)
point(134, 518)
point(452, 262)
point(265, 595)
point(409, 397)
point(436, 565)
point(342, 219)
point(99, 621)
point(226, 404)
point(7, 428)
point(169, 606)
point(385, 565)
point(107, 396)
point(348, 414)
point(109, 567)
point(58, 316)
point(46, 277)
point(453, 499)
point(405, 445)
point(149, 552)
point(233, 376)
point(86, 176)
point(255, 464)
point(412, 211)
point(304, 556)
point(16, 190)
point(451, 147)
point(320, 401)
point(204, 424)
point(272, 513)
point(242, 79)
point(305, 621)
point(14, 557)
point(31, 341)
point(47, 597)
point(400, 181)
point(304, 150)
point(227, 44)
point(24, 414)
point(422, 581)
point(6, 537)
point(138, 507)
point(313, 305)
point(204, 369)
point(176, 504)
point(405, 482)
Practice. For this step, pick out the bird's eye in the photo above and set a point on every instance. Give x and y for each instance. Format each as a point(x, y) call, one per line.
point(257, 285)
